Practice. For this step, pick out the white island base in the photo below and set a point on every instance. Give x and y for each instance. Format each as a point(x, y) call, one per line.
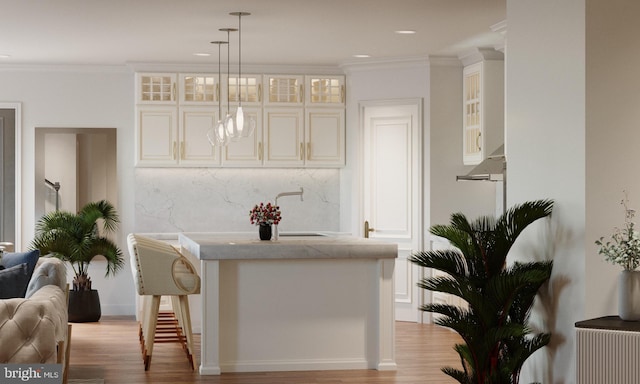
point(316, 311)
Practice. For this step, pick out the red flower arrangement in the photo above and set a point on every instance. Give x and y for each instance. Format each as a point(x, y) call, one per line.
point(265, 214)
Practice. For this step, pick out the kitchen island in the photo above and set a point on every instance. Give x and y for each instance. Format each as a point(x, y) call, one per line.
point(298, 303)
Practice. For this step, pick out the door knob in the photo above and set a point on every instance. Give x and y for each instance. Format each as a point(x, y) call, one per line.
point(367, 229)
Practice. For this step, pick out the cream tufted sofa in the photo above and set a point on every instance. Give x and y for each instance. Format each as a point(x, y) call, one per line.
point(34, 329)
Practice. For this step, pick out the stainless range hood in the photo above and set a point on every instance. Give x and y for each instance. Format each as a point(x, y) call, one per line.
point(493, 168)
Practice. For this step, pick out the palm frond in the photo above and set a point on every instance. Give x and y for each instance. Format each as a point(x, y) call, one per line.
point(497, 339)
point(457, 375)
point(76, 238)
point(450, 261)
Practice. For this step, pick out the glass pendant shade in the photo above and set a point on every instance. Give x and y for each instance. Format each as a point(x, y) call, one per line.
point(240, 125)
point(217, 135)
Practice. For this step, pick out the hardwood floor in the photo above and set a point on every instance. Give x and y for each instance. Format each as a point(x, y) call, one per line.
point(110, 350)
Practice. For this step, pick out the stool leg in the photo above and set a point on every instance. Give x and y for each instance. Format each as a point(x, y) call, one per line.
point(150, 334)
point(186, 327)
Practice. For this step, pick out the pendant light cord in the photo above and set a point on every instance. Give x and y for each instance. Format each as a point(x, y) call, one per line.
point(239, 58)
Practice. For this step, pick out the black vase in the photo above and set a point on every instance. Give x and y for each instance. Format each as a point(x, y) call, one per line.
point(84, 306)
point(265, 231)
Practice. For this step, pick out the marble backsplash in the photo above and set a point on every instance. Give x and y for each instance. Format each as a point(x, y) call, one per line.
point(219, 200)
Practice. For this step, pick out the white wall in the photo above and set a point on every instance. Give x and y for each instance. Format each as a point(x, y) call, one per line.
point(613, 134)
point(60, 167)
point(81, 97)
point(545, 123)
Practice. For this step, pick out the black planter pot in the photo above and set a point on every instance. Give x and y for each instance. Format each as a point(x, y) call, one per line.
point(84, 306)
point(265, 231)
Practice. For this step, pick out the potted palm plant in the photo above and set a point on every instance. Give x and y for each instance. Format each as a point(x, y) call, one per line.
point(78, 239)
point(494, 326)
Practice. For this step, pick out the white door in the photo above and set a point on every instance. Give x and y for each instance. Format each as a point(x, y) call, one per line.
point(392, 189)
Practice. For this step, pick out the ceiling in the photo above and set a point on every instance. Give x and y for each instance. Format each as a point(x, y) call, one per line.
point(289, 32)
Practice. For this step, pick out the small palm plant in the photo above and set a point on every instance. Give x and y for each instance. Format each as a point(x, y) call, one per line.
point(494, 326)
point(77, 238)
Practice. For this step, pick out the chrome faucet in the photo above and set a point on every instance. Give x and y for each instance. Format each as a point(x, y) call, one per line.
point(281, 194)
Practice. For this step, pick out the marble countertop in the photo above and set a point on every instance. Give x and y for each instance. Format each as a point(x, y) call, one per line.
point(246, 246)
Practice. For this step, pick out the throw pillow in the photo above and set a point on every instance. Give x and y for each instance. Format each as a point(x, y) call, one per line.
point(11, 259)
point(13, 281)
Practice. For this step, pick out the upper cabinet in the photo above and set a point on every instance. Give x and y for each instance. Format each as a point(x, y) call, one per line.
point(284, 90)
point(199, 89)
point(483, 105)
point(156, 88)
point(300, 120)
point(246, 89)
point(325, 90)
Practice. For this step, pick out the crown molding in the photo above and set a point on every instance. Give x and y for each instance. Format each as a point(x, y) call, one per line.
point(390, 63)
point(444, 61)
point(500, 28)
point(476, 55)
point(75, 68)
point(249, 68)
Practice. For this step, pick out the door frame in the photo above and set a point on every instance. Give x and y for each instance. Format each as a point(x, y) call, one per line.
point(17, 112)
point(418, 298)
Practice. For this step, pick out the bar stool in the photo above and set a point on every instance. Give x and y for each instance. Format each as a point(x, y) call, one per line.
point(161, 270)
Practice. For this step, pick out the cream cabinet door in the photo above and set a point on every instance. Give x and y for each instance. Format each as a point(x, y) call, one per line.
point(156, 88)
point(247, 151)
point(472, 119)
point(283, 137)
point(156, 136)
point(324, 91)
point(325, 136)
point(246, 89)
point(199, 89)
point(195, 149)
point(283, 90)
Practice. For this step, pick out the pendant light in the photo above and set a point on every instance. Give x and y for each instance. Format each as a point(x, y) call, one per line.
point(240, 126)
point(228, 120)
point(217, 135)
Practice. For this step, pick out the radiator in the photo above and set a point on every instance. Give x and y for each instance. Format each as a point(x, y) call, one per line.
point(607, 356)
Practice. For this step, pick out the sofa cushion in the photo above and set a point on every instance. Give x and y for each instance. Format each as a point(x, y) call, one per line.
point(14, 281)
point(10, 259)
point(30, 329)
point(49, 271)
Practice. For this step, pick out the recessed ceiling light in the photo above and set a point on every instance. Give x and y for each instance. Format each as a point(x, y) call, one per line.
point(202, 54)
point(3, 56)
point(361, 56)
point(405, 32)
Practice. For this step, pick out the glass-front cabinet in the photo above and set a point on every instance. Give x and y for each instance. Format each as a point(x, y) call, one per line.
point(283, 90)
point(300, 120)
point(472, 135)
point(246, 89)
point(483, 109)
point(199, 89)
point(156, 88)
point(325, 90)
